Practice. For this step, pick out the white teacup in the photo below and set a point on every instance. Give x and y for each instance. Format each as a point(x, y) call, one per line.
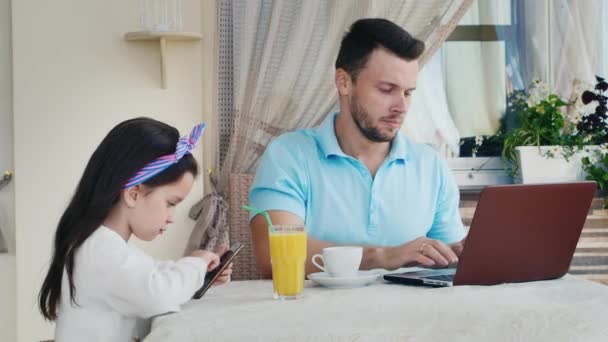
point(340, 261)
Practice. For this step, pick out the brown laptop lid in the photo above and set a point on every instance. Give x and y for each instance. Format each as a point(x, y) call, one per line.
point(524, 233)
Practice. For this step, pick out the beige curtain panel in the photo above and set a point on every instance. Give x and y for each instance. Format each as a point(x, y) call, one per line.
point(282, 76)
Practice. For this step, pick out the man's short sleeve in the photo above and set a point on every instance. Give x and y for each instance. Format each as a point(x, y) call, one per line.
point(280, 181)
point(447, 224)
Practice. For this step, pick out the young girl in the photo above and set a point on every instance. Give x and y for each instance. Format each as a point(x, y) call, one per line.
point(98, 285)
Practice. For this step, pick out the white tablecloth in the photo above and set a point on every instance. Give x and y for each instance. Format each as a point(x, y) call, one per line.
point(568, 309)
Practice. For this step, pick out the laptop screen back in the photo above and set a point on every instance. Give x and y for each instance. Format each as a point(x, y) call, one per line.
point(524, 233)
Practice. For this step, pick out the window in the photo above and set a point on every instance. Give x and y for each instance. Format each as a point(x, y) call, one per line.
point(500, 46)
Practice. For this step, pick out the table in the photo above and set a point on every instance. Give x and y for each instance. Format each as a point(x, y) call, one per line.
point(567, 309)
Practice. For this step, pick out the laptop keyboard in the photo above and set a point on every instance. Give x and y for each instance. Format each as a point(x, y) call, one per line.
point(446, 277)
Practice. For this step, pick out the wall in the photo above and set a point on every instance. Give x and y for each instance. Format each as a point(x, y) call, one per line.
point(7, 216)
point(74, 79)
point(6, 123)
point(8, 320)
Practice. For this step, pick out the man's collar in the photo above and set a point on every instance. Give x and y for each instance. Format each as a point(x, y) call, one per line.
point(330, 147)
point(327, 137)
point(398, 148)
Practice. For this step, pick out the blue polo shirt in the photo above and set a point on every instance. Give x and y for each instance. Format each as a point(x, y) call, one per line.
point(413, 193)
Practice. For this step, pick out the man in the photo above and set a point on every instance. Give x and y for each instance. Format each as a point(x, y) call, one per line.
point(355, 180)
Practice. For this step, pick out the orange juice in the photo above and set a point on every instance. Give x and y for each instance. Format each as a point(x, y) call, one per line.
point(288, 258)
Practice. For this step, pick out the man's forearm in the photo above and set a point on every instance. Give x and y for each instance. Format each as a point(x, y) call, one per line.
point(373, 257)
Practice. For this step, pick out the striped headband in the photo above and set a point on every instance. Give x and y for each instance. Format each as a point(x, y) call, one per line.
point(184, 146)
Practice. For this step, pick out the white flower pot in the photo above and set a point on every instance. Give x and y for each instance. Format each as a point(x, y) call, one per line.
point(536, 167)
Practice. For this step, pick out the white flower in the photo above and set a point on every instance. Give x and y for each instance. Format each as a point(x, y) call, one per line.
point(537, 92)
point(478, 140)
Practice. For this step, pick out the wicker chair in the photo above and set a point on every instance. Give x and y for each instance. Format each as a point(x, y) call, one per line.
point(238, 219)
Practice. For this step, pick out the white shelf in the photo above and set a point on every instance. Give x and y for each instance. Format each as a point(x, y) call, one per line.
point(163, 37)
point(149, 35)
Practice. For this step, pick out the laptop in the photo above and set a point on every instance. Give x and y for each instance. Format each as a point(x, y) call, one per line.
point(519, 233)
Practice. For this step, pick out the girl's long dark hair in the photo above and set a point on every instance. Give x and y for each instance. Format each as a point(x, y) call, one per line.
point(126, 149)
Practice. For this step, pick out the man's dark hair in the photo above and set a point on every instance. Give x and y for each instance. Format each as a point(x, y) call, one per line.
point(365, 35)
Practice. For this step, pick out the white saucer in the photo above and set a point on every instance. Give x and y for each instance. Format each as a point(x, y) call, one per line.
point(363, 278)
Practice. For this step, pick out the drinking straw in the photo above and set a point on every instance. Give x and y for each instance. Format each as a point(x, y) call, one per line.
point(264, 213)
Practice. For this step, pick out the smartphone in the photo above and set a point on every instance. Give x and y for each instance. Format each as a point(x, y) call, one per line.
point(212, 276)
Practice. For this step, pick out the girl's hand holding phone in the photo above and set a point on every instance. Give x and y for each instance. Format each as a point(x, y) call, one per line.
point(211, 258)
point(225, 275)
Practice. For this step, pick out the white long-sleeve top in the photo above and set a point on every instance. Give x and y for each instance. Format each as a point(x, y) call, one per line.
point(117, 284)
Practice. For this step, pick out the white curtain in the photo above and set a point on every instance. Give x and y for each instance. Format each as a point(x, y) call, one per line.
point(527, 43)
point(284, 68)
point(428, 119)
point(474, 73)
point(575, 42)
point(604, 38)
point(282, 60)
point(556, 41)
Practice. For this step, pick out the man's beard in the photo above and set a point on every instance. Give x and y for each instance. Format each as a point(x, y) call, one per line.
point(364, 123)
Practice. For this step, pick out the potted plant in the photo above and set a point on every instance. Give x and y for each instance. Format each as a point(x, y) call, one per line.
point(596, 168)
point(594, 126)
point(482, 145)
point(543, 147)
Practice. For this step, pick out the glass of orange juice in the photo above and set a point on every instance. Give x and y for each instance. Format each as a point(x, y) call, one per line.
point(288, 259)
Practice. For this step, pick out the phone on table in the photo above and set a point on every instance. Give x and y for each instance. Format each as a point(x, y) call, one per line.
point(212, 276)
